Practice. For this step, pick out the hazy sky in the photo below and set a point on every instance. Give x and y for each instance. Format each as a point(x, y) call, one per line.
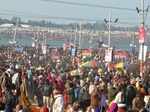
point(26, 8)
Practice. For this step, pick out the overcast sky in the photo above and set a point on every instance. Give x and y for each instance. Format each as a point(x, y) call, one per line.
point(26, 8)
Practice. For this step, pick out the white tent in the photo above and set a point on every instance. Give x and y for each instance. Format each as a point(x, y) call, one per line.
point(6, 25)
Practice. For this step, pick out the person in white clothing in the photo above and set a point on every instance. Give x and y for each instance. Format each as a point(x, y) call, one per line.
point(91, 87)
point(58, 101)
point(14, 78)
point(58, 105)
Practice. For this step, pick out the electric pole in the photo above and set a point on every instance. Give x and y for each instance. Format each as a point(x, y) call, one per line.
point(109, 28)
point(142, 44)
point(108, 23)
point(76, 30)
point(91, 40)
point(142, 12)
point(80, 36)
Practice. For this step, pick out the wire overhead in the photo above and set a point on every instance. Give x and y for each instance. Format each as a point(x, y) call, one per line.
point(89, 5)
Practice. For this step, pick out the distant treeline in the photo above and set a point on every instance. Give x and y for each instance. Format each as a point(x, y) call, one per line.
point(89, 26)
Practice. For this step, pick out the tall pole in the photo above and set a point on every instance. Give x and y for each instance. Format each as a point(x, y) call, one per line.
point(80, 36)
point(76, 29)
point(109, 28)
point(142, 43)
point(90, 40)
point(108, 23)
point(14, 39)
point(143, 12)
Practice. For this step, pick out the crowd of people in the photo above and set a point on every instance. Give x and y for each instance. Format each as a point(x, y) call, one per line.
point(32, 83)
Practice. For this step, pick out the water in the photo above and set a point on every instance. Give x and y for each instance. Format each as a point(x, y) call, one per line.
point(27, 41)
point(119, 43)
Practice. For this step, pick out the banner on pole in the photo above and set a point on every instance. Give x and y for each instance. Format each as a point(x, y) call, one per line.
point(145, 52)
point(108, 55)
point(142, 52)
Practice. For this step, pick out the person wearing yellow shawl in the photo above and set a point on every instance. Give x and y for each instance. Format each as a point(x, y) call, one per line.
point(100, 72)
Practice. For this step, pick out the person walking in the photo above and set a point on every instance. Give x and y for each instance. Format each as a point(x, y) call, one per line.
point(138, 103)
point(58, 101)
point(47, 91)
